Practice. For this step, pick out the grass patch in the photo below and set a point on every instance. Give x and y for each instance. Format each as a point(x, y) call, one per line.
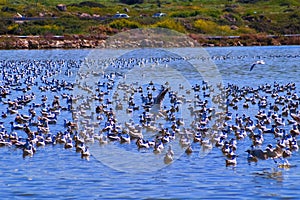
point(214, 17)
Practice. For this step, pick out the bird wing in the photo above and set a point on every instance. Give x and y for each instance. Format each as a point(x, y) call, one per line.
point(252, 66)
point(161, 96)
point(296, 118)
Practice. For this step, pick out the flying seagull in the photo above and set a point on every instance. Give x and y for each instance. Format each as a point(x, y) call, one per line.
point(160, 96)
point(259, 62)
point(155, 106)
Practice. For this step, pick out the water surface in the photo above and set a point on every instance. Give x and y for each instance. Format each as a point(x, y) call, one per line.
point(56, 173)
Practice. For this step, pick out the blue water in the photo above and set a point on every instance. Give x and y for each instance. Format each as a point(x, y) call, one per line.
point(56, 173)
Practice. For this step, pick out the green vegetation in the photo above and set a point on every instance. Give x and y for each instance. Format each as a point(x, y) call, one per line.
point(170, 24)
point(209, 17)
point(121, 24)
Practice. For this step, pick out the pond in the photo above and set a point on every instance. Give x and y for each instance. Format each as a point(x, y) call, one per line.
point(123, 171)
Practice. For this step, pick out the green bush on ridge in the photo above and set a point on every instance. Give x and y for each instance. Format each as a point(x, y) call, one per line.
point(124, 23)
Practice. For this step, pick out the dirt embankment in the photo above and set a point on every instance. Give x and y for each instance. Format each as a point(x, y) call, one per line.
point(77, 41)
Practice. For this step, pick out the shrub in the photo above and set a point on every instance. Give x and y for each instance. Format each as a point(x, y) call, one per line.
point(248, 1)
point(124, 23)
point(42, 30)
point(186, 14)
point(210, 27)
point(88, 4)
point(170, 24)
point(13, 28)
point(8, 9)
point(245, 30)
point(205, 26)
point(130, 2)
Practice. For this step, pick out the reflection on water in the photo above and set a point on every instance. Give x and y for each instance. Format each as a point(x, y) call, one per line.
point(273, 173)
point(59, 173)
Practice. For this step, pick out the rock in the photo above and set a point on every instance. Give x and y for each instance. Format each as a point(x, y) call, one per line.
point(22, 44)
point(233, 27)
point(33, 44)
point(85, 16)
point(145, 43)
point(61, 7)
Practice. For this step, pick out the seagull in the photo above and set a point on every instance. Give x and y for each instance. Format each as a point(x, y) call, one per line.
point(156, 109)
point(258, 153)
point(160, 96)
point(259, 62)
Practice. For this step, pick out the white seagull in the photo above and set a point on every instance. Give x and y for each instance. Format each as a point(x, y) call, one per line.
point(259, 62)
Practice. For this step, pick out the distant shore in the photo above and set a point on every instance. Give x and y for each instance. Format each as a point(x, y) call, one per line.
point(82, 41)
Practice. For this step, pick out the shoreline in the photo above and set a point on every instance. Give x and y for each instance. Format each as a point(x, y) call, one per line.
point(84, 41)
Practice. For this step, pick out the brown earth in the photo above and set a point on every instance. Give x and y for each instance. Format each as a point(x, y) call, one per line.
point(80, 41)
